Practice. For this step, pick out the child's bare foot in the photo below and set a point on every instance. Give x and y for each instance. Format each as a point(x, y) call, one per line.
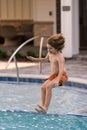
point(43, 110)
point(38, 109)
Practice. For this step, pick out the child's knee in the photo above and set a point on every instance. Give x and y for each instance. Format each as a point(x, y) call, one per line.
point(43, 87)
point(48, 87)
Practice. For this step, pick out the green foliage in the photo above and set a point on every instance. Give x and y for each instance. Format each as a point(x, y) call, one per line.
point(18, 55)
point(43, 55)
point(32, 53)
point(3, 54)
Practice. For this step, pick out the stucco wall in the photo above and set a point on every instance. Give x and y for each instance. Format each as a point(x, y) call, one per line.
point(44, 15)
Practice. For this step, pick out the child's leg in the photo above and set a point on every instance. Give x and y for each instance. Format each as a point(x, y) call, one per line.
point(46, 94)
point(43, 93)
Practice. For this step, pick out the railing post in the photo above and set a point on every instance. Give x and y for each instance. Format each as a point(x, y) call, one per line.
point(17, 71)
point(40, 54)
point(13, 55)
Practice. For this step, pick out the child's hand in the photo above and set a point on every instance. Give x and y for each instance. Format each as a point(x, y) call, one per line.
point(56, 83)
point(29, 57)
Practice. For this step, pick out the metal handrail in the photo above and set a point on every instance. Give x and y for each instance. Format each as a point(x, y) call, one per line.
point(40, 54)
point(16, 69)
point(23, 44)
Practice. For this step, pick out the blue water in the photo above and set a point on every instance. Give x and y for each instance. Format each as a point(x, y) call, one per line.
point(67, 111)
point(31, 121)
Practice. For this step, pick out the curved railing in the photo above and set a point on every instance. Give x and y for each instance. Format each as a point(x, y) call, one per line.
point(23, 44)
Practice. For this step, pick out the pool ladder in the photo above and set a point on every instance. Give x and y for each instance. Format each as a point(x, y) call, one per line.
point(23, 44)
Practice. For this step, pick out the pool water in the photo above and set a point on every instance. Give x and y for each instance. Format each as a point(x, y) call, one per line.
point(67, 111)
point(31, 121)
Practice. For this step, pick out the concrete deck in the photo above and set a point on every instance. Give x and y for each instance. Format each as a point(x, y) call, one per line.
point(76, 68)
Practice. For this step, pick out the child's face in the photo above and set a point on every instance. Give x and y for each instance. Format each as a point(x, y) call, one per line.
point(51, 49)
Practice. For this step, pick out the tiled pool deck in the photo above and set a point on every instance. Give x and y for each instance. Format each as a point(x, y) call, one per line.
point(77, 70)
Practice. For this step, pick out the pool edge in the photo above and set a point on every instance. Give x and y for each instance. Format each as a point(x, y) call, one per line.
point(72, 81)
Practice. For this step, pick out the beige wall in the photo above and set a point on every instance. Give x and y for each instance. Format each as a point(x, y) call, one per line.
point(16, 10)
point(42, 9)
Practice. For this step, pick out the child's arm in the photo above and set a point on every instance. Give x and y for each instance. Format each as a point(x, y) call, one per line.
point(38, 59)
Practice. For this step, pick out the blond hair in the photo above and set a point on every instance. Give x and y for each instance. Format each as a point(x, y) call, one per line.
point(57, 41)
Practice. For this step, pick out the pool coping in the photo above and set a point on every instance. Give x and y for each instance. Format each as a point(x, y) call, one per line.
point(48, 114)
point(72, 81)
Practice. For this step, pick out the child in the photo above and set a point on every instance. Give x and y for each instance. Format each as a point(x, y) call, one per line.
point(59, 75)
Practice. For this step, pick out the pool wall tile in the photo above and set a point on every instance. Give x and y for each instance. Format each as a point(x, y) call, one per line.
point(38, 80)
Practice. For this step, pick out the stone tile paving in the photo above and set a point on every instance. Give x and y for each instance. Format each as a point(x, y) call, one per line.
point(75, 67)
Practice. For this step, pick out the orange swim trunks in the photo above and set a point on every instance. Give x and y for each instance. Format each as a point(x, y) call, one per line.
point(63, 79)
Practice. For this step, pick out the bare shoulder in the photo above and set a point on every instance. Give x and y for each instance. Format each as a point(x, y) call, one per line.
point(61, 57)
